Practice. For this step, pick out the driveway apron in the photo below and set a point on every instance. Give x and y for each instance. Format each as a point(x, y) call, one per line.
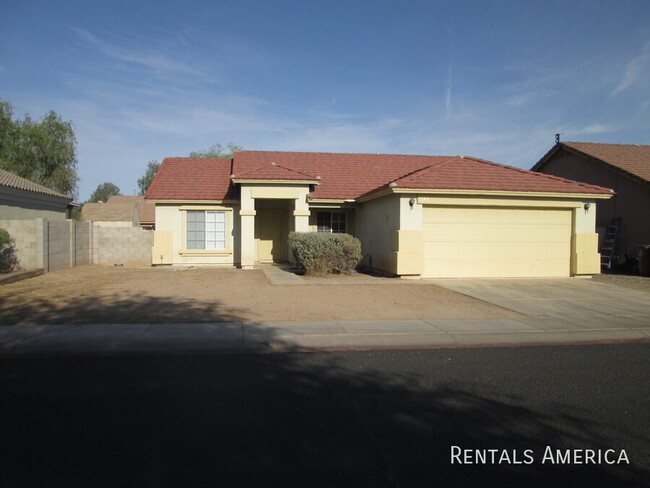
point(581, 303)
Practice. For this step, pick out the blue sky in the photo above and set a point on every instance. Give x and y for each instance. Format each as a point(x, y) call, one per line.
point(494, 79)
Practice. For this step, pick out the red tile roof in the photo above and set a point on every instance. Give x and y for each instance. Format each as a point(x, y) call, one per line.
point(274, 171)
point(193, 179)
point(343, 176)
point(349, 176)
point(469, 173)
point(631, 158)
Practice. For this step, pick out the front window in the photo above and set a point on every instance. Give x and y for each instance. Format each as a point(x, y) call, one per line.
point(206, 229)
point(331, 222)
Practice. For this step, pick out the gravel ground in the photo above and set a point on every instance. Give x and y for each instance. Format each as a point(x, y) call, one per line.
point(93, 294)
point(626, 281)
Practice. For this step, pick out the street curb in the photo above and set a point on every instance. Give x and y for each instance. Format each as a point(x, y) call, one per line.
point(236, 337)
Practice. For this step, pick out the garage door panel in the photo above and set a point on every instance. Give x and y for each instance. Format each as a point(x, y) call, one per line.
point(496, 242)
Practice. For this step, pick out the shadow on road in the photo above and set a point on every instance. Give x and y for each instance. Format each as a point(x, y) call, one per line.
point(274, 420)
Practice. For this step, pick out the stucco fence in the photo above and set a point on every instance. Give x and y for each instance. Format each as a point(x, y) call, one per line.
point(53, 245)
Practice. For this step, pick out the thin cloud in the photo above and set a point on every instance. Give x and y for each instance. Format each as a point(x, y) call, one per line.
point(150, 59)
point(450, 78)
point(636, 69)
point(594, 129)
point(448, 91)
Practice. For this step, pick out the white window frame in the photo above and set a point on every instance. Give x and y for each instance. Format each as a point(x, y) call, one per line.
point(217, 240)
point(212, 230)
point(330, 227)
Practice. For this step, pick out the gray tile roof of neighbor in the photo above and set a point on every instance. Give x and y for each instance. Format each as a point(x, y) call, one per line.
point(11, 180)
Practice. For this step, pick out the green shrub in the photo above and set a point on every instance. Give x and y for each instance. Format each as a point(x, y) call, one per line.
point(4, 238)
point(8, 258)
point(321, 253)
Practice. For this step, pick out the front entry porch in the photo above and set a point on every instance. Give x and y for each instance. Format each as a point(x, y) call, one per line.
point(272, 230)
point(268, 214)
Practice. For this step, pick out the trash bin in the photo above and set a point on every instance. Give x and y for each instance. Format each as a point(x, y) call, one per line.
point(644, 260)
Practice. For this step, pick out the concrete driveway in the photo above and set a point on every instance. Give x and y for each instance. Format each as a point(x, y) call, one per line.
point(580, 303)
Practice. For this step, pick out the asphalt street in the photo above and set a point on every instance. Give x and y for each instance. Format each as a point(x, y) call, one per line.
point(367, 418)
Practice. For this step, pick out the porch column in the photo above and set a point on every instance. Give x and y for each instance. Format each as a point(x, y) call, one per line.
point(247, 229)
point(301, 212)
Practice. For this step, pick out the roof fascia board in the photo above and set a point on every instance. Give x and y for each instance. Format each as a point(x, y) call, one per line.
point(499, 193)
point(545, 158)
point(328, 200)
point(193, 202)
point(504, 193)
point(274, 182)
point(376, 194)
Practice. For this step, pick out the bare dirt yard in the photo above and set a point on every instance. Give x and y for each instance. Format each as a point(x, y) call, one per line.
point(91, 294)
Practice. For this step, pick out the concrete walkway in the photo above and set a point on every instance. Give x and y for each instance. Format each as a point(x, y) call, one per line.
point(559, 311)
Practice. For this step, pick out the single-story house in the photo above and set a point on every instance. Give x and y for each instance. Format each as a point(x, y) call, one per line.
point(146, 210)
point(22, 199)
point(416, 216)
point(121, 211)
point(622, 167)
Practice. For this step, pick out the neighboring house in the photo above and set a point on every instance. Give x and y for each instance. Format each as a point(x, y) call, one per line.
point(416, 216)
point(146, 210)
point(121, 211)
point(22, 199)
point(622, 167)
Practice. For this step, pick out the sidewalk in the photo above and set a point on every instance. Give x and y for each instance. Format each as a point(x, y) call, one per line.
point(554, 311)
point(282, 336)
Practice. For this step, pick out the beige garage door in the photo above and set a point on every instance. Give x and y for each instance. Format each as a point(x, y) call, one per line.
point(496, 242)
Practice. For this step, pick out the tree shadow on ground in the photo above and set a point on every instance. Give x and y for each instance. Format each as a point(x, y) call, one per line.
point(299, 419)
point(114, 309)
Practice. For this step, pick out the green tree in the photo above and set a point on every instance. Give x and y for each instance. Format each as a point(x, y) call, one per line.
point(103, 192)
point(217, 151)
point(43, 151)
point(145, 182)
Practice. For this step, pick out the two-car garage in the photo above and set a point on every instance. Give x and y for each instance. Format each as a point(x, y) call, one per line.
point(484, 241)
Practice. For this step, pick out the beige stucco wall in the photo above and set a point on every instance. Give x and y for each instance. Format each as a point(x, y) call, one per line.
point(376, 224)
point(391, 229)
point(631, 203)
point(169, 237)
point(292, 198)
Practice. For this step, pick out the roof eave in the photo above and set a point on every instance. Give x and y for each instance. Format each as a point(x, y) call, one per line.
point(176, 201)
point(546, 157)
point(491, 193)
point(274, 182)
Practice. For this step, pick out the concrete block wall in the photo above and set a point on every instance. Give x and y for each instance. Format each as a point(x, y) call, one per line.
point(123, 245)
point(83, 243)
point(54, 245)
point(25, 241)
point(60, 245)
